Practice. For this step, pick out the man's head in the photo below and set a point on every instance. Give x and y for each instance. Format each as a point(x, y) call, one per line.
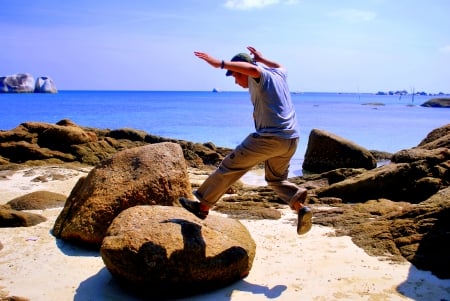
point(240, 57)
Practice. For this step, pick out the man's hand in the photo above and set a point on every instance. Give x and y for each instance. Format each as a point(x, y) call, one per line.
point(257, 56)
point(209, 59)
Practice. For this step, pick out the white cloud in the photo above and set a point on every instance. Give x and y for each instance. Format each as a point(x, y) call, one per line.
point(445, 49)
point(250, 4)
point(353, 15)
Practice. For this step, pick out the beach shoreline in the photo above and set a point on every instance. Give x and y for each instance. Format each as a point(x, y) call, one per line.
point(316, 266)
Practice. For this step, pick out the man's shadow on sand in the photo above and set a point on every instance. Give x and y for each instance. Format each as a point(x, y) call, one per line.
point(102, 286)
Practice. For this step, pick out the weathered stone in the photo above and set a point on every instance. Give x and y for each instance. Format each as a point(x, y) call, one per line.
point(166, 251)
point(326, 151)
point(45, 84)
point(431, 156)
point(22, 151)
point(37, 200)
point(395, 181)
point(14, 218)
point(63, 137)
point(129, 134)
point(17, 83)
point(90, 145)
point(155, 174)
point(437, 138)
point(422, 234)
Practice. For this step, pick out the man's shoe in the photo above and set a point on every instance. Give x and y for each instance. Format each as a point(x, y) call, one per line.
point(193, 207)
point(304, 223)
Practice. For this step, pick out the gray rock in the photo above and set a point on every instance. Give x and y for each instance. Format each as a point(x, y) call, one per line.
point(437, 103)
point(327, 151)
point(154, 174)
point(166, 251)
point(45, 84)
point(17, 83)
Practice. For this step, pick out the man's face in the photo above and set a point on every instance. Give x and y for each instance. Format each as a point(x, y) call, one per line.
point(240, 79)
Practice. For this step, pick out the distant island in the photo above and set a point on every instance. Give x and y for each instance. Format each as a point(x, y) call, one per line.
point(404, 92)
point(25, 83)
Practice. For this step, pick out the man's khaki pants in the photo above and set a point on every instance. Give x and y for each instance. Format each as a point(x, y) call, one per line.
point(276, 154)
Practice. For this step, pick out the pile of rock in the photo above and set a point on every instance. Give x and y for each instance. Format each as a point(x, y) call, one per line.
point(65, 141)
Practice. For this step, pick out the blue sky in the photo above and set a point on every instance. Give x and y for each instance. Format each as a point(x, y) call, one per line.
point(326, 45)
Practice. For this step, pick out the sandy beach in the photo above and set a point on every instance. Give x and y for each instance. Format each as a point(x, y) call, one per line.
point(317, 266)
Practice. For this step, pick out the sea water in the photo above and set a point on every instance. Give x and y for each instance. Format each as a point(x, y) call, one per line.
point(377, 122)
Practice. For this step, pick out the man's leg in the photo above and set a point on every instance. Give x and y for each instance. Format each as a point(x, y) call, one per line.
point(253, 150)
point(277, 169)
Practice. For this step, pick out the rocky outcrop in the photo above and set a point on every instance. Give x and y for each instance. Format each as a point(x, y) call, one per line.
point(17, 83)
point(437, 138)
point(25, 83)
point(155, 174)
point(161, 251)
point(327, 151)
point(67, 142)
point(437, 103)
point(415, 181)
point(422, 233)
point(45, 84)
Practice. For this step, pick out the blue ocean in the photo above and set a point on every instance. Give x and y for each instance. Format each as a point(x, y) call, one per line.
point(377, 122)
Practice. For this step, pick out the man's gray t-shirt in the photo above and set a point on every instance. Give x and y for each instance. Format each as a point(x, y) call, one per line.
point(273, 111)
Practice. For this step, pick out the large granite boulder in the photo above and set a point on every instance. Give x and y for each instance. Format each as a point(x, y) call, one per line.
point(45, 84)
point(155, 174)
point(166, 251)
point(327, 151)
point(17, 83)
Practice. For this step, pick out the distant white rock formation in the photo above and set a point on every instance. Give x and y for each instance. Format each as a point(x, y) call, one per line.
point(25, 83)
point(45, 84)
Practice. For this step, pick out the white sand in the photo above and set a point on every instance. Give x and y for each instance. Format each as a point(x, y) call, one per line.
point(317, 266)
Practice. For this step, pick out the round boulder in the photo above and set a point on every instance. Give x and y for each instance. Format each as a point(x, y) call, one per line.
point(166, 251)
